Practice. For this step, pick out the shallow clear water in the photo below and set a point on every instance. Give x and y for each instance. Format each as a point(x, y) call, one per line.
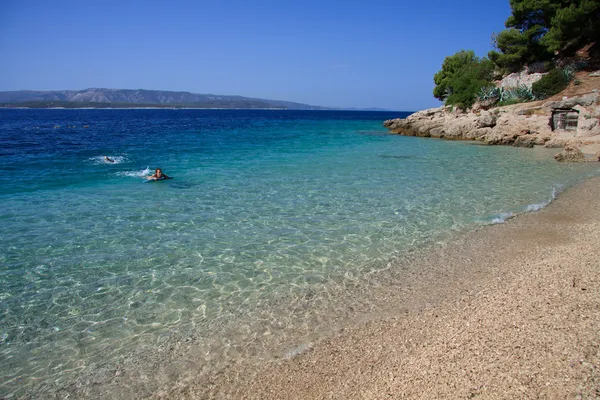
point(96, 262)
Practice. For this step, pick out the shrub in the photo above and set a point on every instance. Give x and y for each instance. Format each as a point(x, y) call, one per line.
point(553, 82)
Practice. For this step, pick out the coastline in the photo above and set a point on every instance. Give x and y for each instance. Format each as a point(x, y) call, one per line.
point(302, 320)
point(188, 359)
point(507, 311)
point(520, 125)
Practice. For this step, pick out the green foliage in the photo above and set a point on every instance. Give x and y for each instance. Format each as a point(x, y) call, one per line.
point(517, 49)
point(574, 67)
point(527, 14)
point(461, 77)
point(505, 96)
point(489, 93)
point(553, 82)
point(452, 65)
point(509, 102)
point(537, 29)
point(520, 93)
point(574, 25)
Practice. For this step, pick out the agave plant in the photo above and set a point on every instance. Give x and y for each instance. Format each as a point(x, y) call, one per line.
point(488, 95)
point(517, 94)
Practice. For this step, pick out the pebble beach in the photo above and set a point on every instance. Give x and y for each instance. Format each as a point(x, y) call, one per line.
point(511, 312)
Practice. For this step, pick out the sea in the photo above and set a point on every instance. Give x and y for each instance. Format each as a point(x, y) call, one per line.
point(272, 222)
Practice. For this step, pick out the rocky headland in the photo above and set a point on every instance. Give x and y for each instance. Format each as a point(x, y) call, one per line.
point(570, 121)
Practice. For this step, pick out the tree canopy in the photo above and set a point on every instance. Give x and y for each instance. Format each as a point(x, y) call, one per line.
point(461, 77)
point(539, 29)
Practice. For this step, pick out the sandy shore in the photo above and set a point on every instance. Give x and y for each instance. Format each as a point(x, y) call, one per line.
point(511, 311)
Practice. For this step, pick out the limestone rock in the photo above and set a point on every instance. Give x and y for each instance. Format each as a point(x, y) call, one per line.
point(557, 142)
point(520, 79)
point(486, 121)
point(517, 125)
point(477, 134)
point(585, 100)
point(588, 126)
point(570, 153)
point(530, 140)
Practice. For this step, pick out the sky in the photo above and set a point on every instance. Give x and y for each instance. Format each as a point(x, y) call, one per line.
point(367, 53)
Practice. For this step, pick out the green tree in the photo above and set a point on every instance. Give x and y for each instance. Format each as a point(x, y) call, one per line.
point(461, 77)
point(537, 29)
point(450, 67)
point(529, 14)
point(574, 26)
point(518, 48)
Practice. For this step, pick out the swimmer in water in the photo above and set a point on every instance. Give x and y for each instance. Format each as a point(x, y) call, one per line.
point(108, 159)
point(158, 174)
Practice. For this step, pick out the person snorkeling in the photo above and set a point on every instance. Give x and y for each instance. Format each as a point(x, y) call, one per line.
point(158, 174)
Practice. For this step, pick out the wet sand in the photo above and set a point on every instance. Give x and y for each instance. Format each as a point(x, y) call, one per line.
point(507, 311)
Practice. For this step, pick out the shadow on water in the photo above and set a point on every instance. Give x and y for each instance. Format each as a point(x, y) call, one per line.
point(397, 157)
point(182, 185)
point(175, 184)
point(474, 143)
point(373, 133)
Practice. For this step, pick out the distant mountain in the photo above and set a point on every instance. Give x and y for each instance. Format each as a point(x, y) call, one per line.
point(95, 97)
point(367, 109)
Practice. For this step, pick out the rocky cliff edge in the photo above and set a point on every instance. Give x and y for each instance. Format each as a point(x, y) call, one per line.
point(525, 125)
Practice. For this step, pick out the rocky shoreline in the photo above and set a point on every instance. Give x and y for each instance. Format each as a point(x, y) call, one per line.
point(524, 125)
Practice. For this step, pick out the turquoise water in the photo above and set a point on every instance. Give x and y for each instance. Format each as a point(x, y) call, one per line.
point(265, 206)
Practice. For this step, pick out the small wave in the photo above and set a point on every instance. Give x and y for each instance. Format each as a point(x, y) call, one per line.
point(136, 174)
point(502, 218)
point(98, 160)
point(556, 190)
point(538, 206)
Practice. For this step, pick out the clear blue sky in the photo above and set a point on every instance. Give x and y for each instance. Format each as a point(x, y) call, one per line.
point(375, 53)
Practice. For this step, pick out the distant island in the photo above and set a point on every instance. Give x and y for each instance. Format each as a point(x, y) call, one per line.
point(138, 98)
point(141, 98)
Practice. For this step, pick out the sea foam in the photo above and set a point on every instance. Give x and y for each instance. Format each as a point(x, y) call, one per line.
point(538, 206)
point(99, 160)
point(533, 207)
point(502, 218)
point(136, 174)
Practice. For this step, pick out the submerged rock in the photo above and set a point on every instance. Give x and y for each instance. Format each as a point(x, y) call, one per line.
point(571, 154)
